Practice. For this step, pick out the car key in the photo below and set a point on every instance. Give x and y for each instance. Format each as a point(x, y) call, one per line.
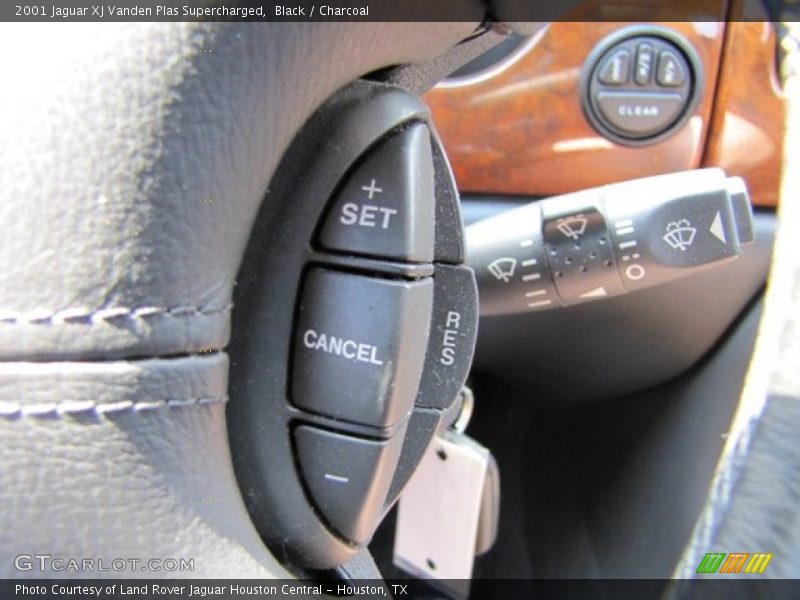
point(449, 510)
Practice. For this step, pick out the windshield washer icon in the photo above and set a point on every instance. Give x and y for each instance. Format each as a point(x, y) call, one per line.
point(503, 268)
point(680, 234)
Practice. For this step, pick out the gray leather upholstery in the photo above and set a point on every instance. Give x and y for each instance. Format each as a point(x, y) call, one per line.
point(134, 159)
point(123, 459)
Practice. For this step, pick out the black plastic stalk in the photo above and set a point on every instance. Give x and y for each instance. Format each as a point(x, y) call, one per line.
point(608, 241)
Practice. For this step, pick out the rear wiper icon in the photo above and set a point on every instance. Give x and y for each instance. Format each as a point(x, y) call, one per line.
point(503, 268)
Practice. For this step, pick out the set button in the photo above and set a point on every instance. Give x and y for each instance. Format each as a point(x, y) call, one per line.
point(385, 208)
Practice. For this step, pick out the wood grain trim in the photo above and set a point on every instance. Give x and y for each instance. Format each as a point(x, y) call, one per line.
point(746, 134)
point(523, 131)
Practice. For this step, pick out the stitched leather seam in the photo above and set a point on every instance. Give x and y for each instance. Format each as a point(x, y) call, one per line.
point(91, 317)
point(13, 410)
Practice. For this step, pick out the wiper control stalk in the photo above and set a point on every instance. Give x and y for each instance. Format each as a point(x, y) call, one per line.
point(608, 241)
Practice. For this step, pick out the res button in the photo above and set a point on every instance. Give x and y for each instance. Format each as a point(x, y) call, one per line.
point(454, 327)
point(386, 206)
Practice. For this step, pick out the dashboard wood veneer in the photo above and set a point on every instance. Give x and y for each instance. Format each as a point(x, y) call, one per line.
point(746, 134)
point(523, 131)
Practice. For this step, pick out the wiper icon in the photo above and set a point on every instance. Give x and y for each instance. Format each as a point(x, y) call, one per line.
point(503, 268)
point(680, 235)
point(573, 227)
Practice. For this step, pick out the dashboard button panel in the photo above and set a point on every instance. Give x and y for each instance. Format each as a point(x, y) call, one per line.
point(640, 85)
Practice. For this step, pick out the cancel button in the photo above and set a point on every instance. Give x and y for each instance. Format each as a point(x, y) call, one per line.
point(348, 349)
point(360, 346)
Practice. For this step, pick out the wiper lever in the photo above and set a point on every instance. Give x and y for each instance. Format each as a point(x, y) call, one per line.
point(608, 241)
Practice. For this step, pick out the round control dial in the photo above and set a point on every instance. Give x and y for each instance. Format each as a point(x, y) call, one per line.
point(640, 85)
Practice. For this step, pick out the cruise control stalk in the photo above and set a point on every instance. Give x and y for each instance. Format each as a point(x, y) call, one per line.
point(608, 241)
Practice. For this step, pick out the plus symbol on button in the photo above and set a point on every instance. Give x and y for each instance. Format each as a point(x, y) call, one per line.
point(372, 189)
